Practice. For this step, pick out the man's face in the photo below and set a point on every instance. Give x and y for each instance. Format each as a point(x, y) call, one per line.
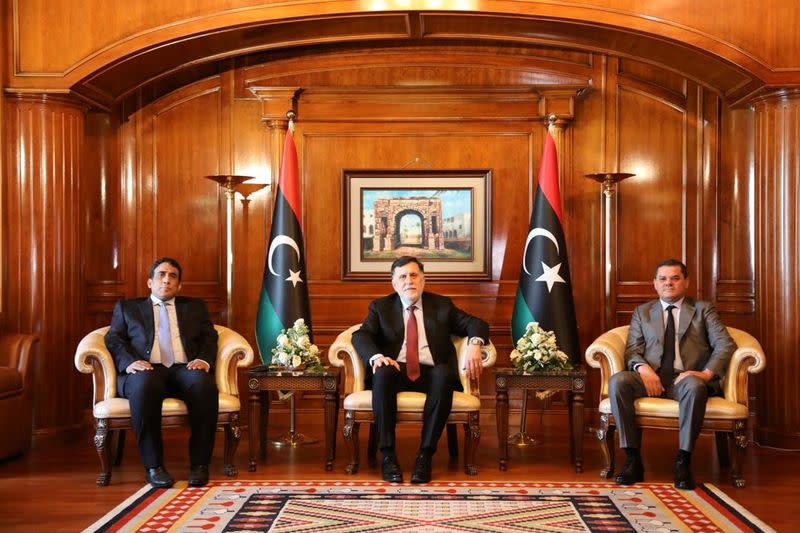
point(408, 281)
point(164, 284)
point(670, 284)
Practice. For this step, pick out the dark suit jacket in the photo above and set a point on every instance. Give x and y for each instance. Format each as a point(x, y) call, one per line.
point(383, 331)
point(132, 331)
point(703, 339)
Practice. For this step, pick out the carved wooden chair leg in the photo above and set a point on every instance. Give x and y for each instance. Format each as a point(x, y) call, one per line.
point(738, 445)
point(102, 442)
point(372, 446)
point(233, 433)
point(452, 443)
point(722, 439)
point(118, 439)
point(350, 433)
point(472, 437)
point(606, 437)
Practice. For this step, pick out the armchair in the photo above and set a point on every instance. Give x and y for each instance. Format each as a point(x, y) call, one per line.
point(358, 403)
point(16, 390)
point(112, 414)
point(726, 416)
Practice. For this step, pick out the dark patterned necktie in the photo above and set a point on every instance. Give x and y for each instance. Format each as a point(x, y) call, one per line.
point(412, 345)
point(667, 371)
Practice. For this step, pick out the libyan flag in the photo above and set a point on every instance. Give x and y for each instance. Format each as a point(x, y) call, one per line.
point(544, 294)
point(284, 290)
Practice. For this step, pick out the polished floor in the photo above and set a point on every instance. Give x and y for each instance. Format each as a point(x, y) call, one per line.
point(53, 487)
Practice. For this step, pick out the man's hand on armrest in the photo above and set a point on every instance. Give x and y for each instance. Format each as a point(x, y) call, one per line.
point(138, 365)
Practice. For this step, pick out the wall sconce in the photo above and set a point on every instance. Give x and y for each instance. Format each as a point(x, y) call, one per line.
point(609, 180)
point(231, 183)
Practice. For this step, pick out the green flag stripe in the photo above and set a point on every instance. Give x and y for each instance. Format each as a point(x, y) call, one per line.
point(520, 317)
point(268, 326)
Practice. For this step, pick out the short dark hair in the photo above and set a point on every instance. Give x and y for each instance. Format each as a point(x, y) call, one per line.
point(171, 261)
point(403, 260)
point(672, 263)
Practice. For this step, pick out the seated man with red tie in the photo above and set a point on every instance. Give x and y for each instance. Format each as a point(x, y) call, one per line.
point(677, 348)
point(163, 346)
point(405, 340)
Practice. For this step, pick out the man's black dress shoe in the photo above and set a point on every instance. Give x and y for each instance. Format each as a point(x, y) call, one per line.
point(198, 475)
point(683, 475)
point(422, 469)
point(391, 470)
point(158, 477)
point(632, 472)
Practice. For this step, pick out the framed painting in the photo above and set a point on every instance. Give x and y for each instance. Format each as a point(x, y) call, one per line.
point(442, 217)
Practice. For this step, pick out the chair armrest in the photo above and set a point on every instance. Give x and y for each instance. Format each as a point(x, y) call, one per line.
point(342, 350)
point(92, 357)
point(607, 353)
point(748, 358)
point(233, 351)
point(16, 352)
point(488, 359)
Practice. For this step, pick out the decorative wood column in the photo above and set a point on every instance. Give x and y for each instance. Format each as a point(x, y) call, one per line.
point(42, 279)
point(275, 103)
point(777, 178)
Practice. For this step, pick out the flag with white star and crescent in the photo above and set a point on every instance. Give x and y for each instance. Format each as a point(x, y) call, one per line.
point(544, 294)
point(284, 290)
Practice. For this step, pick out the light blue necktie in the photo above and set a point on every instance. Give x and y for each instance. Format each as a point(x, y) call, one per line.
point(165, 336)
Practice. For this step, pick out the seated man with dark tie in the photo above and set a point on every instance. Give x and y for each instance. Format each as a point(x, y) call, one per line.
point(405, 340)
point(677, 348)
point(164, 346)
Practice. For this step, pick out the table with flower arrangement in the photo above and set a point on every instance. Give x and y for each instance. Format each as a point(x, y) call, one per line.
point(571, 380)
point(263, 379)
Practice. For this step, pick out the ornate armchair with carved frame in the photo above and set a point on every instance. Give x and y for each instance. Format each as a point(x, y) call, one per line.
point(112, 414)
point(726, 416)
point(358, 403)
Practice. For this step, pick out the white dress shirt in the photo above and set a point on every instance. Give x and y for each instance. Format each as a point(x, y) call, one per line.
point(676, 313)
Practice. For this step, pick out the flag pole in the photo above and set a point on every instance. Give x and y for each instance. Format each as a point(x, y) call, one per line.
point(292, 438)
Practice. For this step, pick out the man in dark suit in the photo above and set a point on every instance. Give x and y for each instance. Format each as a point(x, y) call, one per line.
point(677, 348)
point(405, 340)
point(165, 345)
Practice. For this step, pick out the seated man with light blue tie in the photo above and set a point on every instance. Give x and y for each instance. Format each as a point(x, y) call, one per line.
point(165, 346)
point(405, 341)
point(677, 348)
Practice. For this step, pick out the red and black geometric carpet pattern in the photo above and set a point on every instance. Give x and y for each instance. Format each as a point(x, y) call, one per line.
point(330, 506)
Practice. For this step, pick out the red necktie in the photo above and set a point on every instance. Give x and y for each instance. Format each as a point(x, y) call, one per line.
point(412, 346)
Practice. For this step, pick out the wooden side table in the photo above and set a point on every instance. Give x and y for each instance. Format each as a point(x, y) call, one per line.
point(263, 379)
point(573, 381)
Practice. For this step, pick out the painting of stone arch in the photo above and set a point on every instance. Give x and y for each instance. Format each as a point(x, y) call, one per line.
point(441, 216)
point(426, 223)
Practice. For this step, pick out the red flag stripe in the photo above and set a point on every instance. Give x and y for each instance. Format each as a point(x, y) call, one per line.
point(548, 176)
point(289, 182)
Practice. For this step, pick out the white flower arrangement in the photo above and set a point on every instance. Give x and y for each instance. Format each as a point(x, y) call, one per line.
point(537, 350)
point(294, 348)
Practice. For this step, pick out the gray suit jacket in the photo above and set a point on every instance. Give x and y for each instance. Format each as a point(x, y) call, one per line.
point(703, 339)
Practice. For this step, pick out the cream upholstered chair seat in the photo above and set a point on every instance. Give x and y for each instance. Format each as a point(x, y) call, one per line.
point(112, 414)
point(410, 402)
point(358, 403)
point(726, 416)
point(667, 408)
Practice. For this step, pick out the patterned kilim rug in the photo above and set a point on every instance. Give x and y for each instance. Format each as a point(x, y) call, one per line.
point(344, 506)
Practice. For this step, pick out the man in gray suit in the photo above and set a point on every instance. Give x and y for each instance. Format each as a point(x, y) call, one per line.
point(677, 348)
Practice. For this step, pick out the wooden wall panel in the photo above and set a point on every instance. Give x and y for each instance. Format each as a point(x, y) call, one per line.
point(777, 189)
point(185, 150)
point(42, 281)
point(650, 207)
